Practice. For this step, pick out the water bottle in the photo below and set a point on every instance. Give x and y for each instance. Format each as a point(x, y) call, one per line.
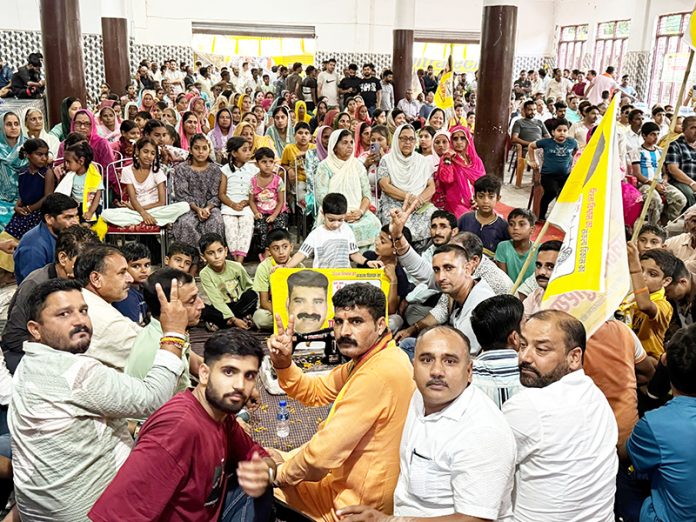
point(283, 420)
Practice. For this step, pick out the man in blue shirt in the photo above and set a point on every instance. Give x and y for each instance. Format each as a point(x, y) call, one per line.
point(5, 73)
point(37, 247)
point(661, 445)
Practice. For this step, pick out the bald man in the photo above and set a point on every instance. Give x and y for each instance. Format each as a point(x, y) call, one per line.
point(457, 451)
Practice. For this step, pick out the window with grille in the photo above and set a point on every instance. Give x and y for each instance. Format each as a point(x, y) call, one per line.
point(669, 58)
point(571, 46)
point(610, 45)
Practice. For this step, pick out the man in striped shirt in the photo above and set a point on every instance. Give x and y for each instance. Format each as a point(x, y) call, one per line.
point(496, 323)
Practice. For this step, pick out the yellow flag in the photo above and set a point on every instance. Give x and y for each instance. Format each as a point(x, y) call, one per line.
point(444, 97)
point(591, 276)
point(690, 33)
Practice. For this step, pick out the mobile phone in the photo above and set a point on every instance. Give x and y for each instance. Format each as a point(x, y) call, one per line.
point(374, 148)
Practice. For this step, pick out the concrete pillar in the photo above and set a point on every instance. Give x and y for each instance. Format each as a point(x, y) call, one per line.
point(498, 33)
point(402, 53)
point(115, 44)
point(62, 50)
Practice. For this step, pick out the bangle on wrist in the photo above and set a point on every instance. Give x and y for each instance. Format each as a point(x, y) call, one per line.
point(641, 290)
point(636, 271)
point(174, 334)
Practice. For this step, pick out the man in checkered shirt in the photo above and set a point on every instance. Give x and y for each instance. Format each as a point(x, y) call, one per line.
point(681, 161)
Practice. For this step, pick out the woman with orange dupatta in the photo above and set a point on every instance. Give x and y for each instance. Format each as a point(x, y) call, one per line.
point(458, 169)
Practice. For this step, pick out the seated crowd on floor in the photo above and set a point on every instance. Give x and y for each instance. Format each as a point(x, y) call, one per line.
point(459, 398)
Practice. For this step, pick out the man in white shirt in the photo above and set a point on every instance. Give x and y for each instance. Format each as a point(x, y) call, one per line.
point(104, 273)
point(457, 452)
point(558, 87)
point(409, 106)
point(565, 431)
point(634, 139)
point(175, 76)
point(327, 84)
point(68, 411)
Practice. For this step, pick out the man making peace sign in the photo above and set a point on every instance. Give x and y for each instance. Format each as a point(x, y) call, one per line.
point(354, 456)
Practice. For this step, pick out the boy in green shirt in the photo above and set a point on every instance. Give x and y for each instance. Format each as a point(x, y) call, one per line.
point(227, 285)
point(510, 255)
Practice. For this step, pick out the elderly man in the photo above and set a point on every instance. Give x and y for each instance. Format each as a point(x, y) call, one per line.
point(565, 430)
point(68, 411)
point(104, 273)
point(409, 105)
point(354, 456)
point(457, 450)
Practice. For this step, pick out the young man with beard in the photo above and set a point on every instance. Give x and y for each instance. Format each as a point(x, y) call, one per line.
point(565, 431)
point(68, 411)
point(192, 456)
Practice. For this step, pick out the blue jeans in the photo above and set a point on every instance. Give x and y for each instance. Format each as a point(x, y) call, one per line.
point(631, 492)
point(240, 507)
point(408, 345)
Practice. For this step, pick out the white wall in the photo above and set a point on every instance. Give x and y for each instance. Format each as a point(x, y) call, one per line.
point(361, 25)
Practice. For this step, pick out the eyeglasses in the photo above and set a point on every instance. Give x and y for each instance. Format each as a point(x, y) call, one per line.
point(407, 139)
point(459, 138)
point(82, 124)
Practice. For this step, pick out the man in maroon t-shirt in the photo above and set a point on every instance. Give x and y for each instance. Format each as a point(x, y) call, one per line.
point(192, 457)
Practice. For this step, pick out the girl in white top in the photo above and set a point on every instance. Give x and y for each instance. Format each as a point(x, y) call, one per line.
point(235, 187)
point(146, 187)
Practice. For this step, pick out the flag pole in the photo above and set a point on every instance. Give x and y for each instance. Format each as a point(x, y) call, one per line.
point(530, 255)
point(648, 196)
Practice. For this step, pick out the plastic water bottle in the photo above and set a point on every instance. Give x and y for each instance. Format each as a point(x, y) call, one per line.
point(283, 420)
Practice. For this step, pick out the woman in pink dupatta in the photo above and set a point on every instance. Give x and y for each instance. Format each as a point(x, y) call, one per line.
point(458, 169)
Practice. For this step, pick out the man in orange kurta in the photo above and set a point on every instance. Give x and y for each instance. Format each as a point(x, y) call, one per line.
point(354, 456)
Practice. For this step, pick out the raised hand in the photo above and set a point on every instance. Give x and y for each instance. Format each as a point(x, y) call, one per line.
point(399, 217)
point(280, 345)
point(360, 514)
point(173, 316)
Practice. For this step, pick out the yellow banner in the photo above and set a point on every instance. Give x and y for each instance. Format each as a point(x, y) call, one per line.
point(306, 293)
point(591, 275)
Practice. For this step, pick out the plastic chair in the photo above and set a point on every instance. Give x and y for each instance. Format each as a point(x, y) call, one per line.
point(133, 230)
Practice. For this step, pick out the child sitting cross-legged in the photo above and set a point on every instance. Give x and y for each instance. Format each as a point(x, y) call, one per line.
point(227, 285)
point(146, 186)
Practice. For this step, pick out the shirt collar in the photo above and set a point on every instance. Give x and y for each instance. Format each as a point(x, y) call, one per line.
point(454, 411)
point(495, 354)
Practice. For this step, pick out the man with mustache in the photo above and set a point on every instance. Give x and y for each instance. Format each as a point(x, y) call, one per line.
point(192, 457)
point(457, 450)
point(545, 263)
point(68, 411)
point(103, 271)
point(307, 300)
point(354, 456)
point(565, 430)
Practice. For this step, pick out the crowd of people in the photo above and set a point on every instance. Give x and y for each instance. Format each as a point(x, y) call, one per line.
point(458, 398)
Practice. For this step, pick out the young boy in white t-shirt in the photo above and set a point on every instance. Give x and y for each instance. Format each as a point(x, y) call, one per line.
point(332, 243)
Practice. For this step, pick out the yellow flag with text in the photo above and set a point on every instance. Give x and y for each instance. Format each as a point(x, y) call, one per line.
point(690, 32)
point(591, 276)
